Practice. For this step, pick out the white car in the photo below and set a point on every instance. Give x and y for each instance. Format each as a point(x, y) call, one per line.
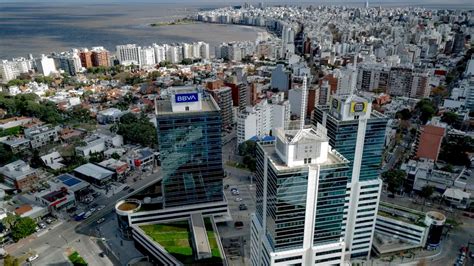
point(87, 214)
point(238, 199)
point(101, 220)
point(32, 258)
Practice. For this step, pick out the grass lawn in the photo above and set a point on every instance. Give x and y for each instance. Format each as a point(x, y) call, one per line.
point(176, 239)
point(212, 238)
point(76, 259)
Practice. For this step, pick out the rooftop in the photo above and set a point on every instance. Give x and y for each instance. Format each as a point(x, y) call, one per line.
point(94, 171)
point(17, 170)
point(176, 239)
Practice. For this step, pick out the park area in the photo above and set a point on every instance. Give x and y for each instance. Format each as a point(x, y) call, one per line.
point(176, 239)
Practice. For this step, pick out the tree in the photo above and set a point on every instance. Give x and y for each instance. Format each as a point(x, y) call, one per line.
point(137, 130)
point(427, 191)
point(449, 118)
point(448, 168)
point(404, 114)
point(426, 110)
point(6, 156)
point(9, 260)
point(10, 220)
point(115, 156)
point(187, 61)
point(394, 180)
point(248, 150)
point(23, 227)
point(454, 150)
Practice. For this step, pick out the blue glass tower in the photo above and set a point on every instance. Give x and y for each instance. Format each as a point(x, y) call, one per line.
point(189, 141)
point(358, 133)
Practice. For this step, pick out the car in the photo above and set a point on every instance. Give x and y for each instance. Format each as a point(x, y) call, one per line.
point(226, 186)
point(100, 207)
point(32, 258)
point(233, 189)
point(125, 188)
point(92, 209)
point(238, 199)
point(131, 190)
point(42, 225)
point(243, 207)
point(101, 254)
point(101, 220)
point(239, 224)
point(49, 220)
point(87, 214)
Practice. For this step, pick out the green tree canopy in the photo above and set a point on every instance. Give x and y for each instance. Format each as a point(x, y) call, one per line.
point(394, 180)
point(137, 130)
point(449, 118)
point(454, 150)
point(427, 191)
point(23, 227)
point(404, 114)
point(426, 109)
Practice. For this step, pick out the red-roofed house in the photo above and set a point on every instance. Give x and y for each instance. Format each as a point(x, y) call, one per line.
point(429, 141)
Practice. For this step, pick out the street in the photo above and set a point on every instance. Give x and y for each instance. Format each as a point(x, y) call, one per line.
point(53, 246)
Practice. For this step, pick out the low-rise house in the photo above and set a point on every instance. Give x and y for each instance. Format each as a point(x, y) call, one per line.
point(94, 145)
point(457, 198)
point(140, 158)
point(57, 200)
point(94, 174)
point(19, 175)
point(53, 160)
point(109, 116)
point(15, 144)
point(40, 136)
point(120, 168)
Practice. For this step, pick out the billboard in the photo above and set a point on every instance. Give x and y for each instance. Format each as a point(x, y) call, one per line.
point(358, 107)
point(186, 97)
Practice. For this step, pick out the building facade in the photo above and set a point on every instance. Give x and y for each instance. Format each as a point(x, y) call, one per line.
point(358, 133)
point(189, 139)
point(300, 193)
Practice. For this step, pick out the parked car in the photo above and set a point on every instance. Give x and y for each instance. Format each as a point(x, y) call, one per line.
point(92, 210)
point(239, 224)
point(101, 220)
point(32, 258)
point(42, 225)
point(238, 199)
point(49, 220)
point(100, 207)
point(87, 214)
point(243, 207)
point(226, 186)
point(131, 190)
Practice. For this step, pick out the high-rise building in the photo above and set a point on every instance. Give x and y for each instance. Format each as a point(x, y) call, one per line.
point(358, 133)
point(300, 192)
point(100, 57)
point(189, 140)
point(147, 56)
point(129, 54)
point(46, 65)
point(86, 58)
point(223, 98)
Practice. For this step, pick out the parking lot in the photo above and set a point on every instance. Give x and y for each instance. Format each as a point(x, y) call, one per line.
point(236, 234)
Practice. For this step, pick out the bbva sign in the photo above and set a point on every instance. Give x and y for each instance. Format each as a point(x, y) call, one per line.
point(186, 97)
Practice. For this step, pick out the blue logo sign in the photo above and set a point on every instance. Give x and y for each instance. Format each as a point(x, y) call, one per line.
point(186, 97)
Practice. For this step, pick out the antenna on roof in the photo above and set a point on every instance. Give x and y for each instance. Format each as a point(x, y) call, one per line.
point(303, 101)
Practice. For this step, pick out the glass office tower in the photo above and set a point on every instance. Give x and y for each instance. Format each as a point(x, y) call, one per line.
point(189, 138)
point(300, 193)
point(358, 133)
